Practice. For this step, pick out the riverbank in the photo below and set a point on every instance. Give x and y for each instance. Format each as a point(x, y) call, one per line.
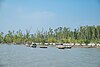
point(76, 45)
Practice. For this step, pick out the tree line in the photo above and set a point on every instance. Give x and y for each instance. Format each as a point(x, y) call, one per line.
point(84, 34)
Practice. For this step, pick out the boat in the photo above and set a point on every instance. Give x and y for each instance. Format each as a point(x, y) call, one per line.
point(33, 45)
point(60, 46)
point(68, 47)
point(27, 45)
point(43, 46)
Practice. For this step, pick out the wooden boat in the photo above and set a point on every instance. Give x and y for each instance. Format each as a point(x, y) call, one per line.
point(60, 47)
point(27, 45)
point(68, 47)
point(43, 46)
point(33, 45)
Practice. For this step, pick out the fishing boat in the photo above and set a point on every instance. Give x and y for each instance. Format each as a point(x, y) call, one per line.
point(60, 46)
point(33, 45)
point(43, 46)
point(68, 47)
point(27, 45)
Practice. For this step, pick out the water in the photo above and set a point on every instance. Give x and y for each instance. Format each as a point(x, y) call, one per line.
point(22, 56)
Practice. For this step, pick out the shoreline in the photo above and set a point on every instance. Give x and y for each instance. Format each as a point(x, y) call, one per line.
point(54, 45)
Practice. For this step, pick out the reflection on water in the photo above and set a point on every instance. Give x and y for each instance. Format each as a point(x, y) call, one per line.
point(22, 56)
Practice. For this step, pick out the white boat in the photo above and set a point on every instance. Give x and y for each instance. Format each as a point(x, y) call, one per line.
point(27, 45)
point(60, 46)
point(33, 45)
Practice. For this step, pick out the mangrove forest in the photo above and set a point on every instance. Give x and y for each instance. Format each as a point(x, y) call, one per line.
point(83, 34)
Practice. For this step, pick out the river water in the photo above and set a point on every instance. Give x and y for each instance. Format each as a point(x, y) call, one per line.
point(22, 56)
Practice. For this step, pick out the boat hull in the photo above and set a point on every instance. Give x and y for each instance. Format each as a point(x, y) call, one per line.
point(43, 46)
point(60, 47)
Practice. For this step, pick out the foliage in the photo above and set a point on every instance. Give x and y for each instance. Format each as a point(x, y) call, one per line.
point(84, 34)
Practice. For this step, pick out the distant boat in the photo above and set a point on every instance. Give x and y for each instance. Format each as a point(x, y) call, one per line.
point(60, 46)
point(33, 45)
point(43, 46)
point(27, 45)
point(68, 47)
point(63, 46)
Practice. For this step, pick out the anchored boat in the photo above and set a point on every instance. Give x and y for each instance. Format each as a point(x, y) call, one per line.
point(27, 45)
point(60, 46)
point(43, 46)
point(63, 46)
point(33, 45)
point(68, 47)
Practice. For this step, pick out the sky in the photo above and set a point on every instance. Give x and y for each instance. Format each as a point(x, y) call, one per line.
point(36, 15)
